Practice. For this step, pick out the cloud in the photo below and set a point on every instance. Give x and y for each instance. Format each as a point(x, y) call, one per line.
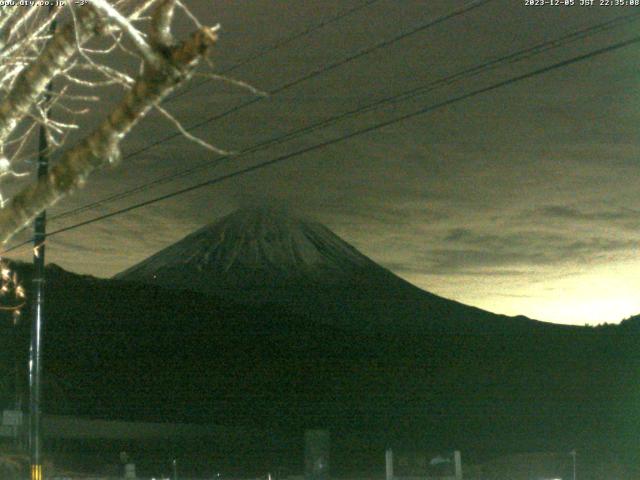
point(466, 250)
point(564, 212)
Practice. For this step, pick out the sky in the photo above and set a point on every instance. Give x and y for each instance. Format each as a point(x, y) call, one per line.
point(522, 200)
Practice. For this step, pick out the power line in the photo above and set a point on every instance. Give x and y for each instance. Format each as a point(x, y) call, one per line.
point(282, 88)
point(415, 92)
point(461, 11)
point(354, 134)
point(260, 53)
point(315, 73)
point(471, 6)
point(279, 44)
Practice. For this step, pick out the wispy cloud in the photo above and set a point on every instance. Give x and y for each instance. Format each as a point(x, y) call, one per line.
point(463, 250)
point(565, 212)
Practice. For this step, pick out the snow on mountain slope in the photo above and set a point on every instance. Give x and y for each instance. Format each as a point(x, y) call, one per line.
point(268, 256)
point(254, 241)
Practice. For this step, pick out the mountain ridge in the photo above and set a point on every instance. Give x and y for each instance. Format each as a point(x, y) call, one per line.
point(265, 255)
point(257, 239)
point(128, 350)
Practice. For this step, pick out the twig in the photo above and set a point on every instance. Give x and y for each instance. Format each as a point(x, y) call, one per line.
point(32, 81)
point(189, 135)
point(102, 146)
point(149, 54)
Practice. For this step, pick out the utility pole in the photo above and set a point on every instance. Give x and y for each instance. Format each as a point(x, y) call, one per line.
point(19, 439)
point(573, 453)
point(35, 351)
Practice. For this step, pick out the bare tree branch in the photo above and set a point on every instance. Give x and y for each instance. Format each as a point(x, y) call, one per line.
point(148, 53)
point(190, 136)
point(101, 147)
point(161, 24)
point(33, 81)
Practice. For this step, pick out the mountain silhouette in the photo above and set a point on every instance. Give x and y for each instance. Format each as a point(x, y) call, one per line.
point(262, 255)
point(267, 320)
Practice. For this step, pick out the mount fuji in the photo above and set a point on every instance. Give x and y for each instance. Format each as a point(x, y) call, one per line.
point(268, 320)
point(264, 256)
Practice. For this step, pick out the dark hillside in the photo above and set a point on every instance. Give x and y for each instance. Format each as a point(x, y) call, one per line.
point(130, 351)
